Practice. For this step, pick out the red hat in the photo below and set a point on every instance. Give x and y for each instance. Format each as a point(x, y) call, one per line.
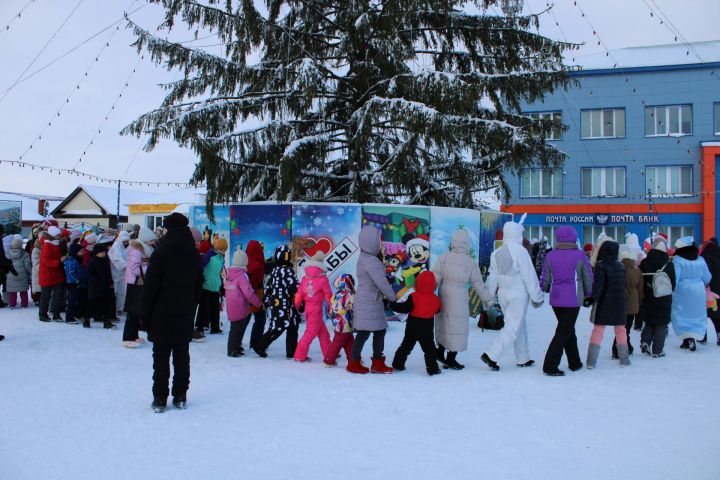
point(587, 247)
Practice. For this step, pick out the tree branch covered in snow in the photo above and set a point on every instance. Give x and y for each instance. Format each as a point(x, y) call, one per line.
point(364, 101)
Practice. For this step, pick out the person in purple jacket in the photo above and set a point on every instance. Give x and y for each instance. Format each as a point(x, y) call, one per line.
point(568, 277)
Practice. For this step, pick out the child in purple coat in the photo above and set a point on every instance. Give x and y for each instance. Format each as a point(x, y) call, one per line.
point(239, 295)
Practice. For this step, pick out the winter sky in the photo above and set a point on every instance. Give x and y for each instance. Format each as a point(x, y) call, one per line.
point(29, 106)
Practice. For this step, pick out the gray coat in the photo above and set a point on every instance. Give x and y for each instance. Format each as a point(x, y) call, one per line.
point(21, 262)
point(36, 268)
point(453, 271)
point(368, 310)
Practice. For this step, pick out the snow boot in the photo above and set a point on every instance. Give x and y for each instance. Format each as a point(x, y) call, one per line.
point(198, 336)
point(130, 344)
point(441, 352)
point(575, 368)
point(691, 344)
point(57, 318)
point(303, 360)
point(44, 318)
point(592, 356)
point(86, 322)
point(529, 363)
point(2, 337)
point(645, 348)
point(159, 404)
point(658, 355)
point(260, 353)
point(433, 370)
point(179, 402)
point(108, 325)
point(554, 373)
point(378, 366)
point(71, 321)
point(397, 366)
point(685, 344)
point(489, 362)
point(329, 364)
point(235, 354)
point(356, 366)
point(452, 363)
point(624, 354)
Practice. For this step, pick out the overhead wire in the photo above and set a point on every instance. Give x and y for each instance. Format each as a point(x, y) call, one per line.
point(15, 17)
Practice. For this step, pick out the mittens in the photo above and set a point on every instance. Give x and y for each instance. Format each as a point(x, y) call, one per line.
point(588, 301)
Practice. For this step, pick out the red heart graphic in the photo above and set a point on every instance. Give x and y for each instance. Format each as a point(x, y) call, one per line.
point(321, 244)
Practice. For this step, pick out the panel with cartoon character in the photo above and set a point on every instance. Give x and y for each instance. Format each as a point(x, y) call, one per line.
point(332, 229)
point(406, 241)
point(220, 228)
point(271, 225)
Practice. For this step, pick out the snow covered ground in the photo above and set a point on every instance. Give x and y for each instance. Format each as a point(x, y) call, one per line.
point(75, 405)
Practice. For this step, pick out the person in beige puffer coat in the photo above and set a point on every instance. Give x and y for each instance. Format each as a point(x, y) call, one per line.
point(453, 272)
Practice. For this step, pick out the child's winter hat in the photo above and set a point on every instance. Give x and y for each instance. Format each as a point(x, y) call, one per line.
point(74, 235)
point(626, 253)
point(74, 249)
point(90, 237)
point(282, 255)
point(588, 247)
point(220, 244)
point(240, 259)
point(146, 235)
point(123, 236)
point(317, 260)
point(175, 220)
point(54, 231)
point(99, 248)
point(684, 242)
point(16, 242)
point(660, 244)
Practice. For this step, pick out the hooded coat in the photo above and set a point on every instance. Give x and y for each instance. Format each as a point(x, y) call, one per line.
point(23, 266)
point(656, 310)
point(35, 260)
point(567, 274)
point(453, 271)
point(256, 269)
point(51, 270)
point(369, 311)
point(313, 292)
point(280, 290)
point(99, 277)
point(172, 288)
point(633, 286)
point(711, 254)
point(136, 263)
point(118, 259)
point(689, 312)
point(239, 294)
point(609, 286)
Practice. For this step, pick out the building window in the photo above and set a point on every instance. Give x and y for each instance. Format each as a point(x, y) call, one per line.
point(541, 182)
point(556, 117)
point(153, 221)
point(717, 118)
point(538, 232)
point(592, 232)
point(603, 182)
point(603, 123)
point(672, 180)
point(673, 232)
point(668, 120)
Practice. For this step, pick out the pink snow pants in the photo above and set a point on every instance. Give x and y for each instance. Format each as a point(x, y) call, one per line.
point(598, 331)
point(340, 341)
point(12, 299)
point(315, 328)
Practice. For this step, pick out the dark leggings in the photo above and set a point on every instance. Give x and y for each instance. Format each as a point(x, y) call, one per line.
point(361, 338)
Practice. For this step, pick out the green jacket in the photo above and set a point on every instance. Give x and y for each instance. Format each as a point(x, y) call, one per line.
point(211, 274)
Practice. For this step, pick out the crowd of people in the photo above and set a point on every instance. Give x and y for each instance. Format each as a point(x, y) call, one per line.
point(173, 285)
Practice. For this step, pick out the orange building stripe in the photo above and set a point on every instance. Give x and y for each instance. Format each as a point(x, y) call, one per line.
point(708, 188)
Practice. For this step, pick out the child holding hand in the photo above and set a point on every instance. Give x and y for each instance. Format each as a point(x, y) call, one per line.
point(314, 291)
point(240, 295)
point(342, 317)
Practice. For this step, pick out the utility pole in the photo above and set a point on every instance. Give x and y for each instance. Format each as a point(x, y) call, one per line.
point(117, 215)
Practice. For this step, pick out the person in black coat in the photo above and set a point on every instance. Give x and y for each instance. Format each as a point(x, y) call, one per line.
point(100, 288)
point(656, 310)
point(609, 300)
point(711, 254)
point(169, 300)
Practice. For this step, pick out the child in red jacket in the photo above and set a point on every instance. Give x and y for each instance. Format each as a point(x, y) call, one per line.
point(422, 305)
point(313, 292)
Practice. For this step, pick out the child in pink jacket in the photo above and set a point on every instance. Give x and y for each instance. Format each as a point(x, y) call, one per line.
point(313, 292)
point(342, 312)
point(239, 295)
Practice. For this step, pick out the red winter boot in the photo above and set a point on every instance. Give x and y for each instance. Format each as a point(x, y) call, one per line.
point(356, 366)
point(378, 366)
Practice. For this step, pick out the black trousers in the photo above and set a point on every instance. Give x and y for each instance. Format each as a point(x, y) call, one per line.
point(291, 338)
point(564, 340)
point(131, 330)
point(258, 327)
point(417, 330)
point(629, 321)
point(57, 297)
point(76, 302)
point(161, 368)
point(101, 308)
point(362, 337)
point(208, 311)
point(237, 332)
point(654, 336)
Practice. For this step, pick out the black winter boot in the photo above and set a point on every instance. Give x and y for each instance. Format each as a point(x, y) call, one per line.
point(159, 404)
point(109, 325)
point(180, 402)
point(691, 344)
point(685, 344)
point(433, 370)
point(86, 322)
point(489, 362)
point(44, 318)
point(451, 362)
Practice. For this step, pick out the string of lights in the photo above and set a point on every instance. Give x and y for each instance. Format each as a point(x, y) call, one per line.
point(16, 16)
point(99, 128)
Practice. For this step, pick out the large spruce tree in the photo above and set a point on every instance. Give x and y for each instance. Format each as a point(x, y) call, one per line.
point(412, 101)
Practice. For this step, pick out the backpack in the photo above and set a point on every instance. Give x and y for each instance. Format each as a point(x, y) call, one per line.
point(492, 319)
point(661, 284)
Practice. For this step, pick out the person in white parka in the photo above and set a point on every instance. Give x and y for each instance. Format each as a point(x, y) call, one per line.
point(118, 259)
point(513, 276)
point(453, 271)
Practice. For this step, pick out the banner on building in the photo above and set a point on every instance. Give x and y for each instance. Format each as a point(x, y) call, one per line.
point(11, 216)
